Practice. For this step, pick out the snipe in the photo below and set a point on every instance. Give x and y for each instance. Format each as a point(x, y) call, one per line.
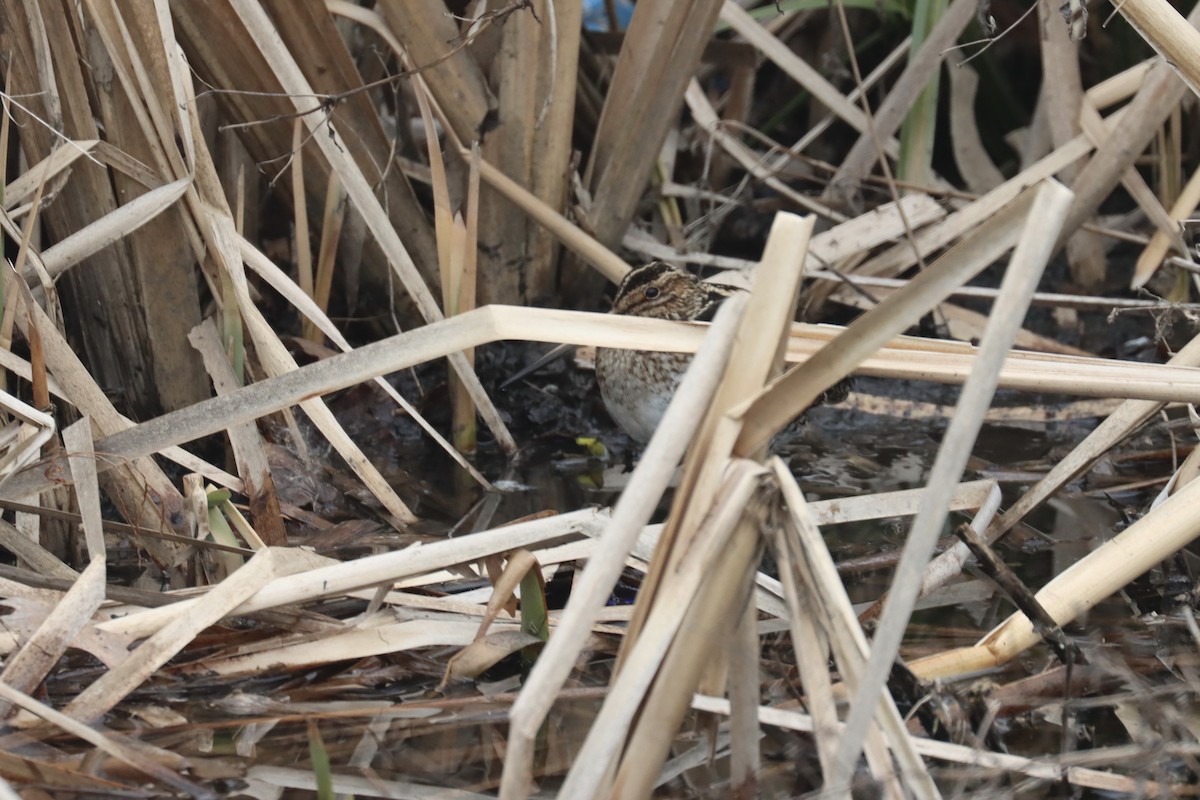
point(637, 385)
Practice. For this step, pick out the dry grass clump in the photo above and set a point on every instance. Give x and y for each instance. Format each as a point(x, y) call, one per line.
point(164, 632)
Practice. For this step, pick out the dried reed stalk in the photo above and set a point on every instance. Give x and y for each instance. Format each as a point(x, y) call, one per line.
point(45, 69)
point(905, 357)
point(225, 55)
point(856, 165)
point(1062, 100)
point(1165, 530)
point(1032, 252)
point(1152, 257)
point(799, 70)
point(77, 440)
point(359, 190)
point(1173, 37)
point(665, 39)
point(245, 440)
point(678, 662)
point(552, 150)
point(955, 753)
point(632, 512)
point(524, 43)
point(1160, 92)
point(814, 569)
point(333, 579)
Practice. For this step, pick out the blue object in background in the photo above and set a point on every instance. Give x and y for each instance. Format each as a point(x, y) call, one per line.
point(595, 18)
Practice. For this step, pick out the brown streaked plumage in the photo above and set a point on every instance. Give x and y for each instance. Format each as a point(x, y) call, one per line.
point(637, 385)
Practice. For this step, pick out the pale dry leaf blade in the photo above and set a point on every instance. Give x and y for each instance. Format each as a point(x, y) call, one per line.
point(105, 743)
point(1154, 537)
point(332, 222)
point(1046, 215)
point(359, 190)
point(112, 227)
point(279, 280)
point(77, 438)
point(787, 396)
point(112, 687)
point(443, 214)
point(271, 780)
point(354, 642)
point(962, 754)
point(1119, 87)
point(517, 564)
point(245, 439)
point(811, 646)
point(483, 654)
point(333, 579)
point(38, 558)
point(905, 357)
point(1151, 258)
point(970, 495)
point(972, 159)
point(45, 171)
point(26, 669)
point(643, 659)
point(873, 228)
point(816, 569)
point(632, 512)
point(302, 250)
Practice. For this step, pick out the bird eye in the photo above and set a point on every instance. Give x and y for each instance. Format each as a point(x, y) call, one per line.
point(652, 292)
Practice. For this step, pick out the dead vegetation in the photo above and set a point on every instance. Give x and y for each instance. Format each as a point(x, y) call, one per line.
point(164, 634)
